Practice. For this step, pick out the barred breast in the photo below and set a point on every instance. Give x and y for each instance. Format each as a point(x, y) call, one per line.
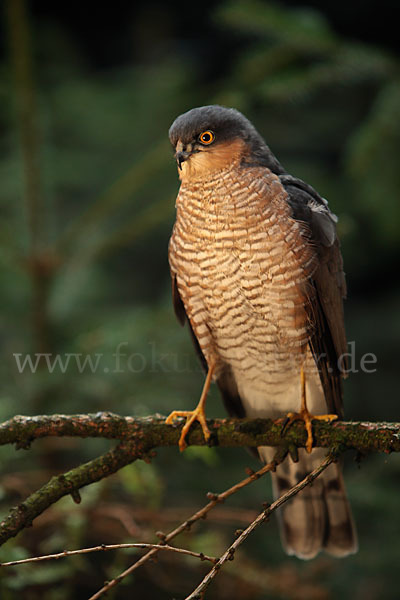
point(242, 267)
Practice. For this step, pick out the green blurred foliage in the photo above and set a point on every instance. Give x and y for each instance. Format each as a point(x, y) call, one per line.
point(329, 109)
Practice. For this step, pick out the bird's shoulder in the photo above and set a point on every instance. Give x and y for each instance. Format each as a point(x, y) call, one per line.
point(308, 206)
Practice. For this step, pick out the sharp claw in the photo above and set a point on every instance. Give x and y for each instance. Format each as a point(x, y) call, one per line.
point(182, 445)
point(176, 414)
point(291, 417)
point(285, 425)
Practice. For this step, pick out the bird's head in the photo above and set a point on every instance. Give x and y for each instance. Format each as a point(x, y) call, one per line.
point(211, 138)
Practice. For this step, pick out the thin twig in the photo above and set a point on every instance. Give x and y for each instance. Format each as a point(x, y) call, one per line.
point(106, 547)
point(229, 554)
point(200, 514)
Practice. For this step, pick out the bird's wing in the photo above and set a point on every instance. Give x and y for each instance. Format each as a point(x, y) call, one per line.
point(328, 338)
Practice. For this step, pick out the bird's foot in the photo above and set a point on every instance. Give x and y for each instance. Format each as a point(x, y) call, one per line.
point(307, 417)
point(198, 414)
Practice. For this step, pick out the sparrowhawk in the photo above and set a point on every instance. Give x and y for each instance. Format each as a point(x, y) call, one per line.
point(257, 274)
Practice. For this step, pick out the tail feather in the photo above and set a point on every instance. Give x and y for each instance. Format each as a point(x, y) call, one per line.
point(341, 536)
point(319, 517)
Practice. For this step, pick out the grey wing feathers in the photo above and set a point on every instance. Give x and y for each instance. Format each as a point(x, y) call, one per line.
point(308, 206)
point(328, 338)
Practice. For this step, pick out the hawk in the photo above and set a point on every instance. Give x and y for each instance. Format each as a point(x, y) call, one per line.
point(257, 274)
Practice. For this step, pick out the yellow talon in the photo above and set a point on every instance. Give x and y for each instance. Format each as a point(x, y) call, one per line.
point(305, 415)
point(191, 416)
point(198, 414)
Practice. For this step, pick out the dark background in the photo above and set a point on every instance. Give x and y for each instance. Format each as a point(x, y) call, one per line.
point(86, 210)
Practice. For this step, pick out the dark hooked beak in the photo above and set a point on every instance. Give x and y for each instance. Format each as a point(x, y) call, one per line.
point(181, 156)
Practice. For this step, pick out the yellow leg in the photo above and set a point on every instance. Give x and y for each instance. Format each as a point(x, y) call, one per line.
point(198, 414)
point(306, 416)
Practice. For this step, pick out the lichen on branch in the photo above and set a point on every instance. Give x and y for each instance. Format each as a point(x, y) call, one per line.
point(152, 432)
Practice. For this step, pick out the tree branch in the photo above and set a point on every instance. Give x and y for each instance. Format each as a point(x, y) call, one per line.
point(141, 435)
point(22, 515)
point(152, 432)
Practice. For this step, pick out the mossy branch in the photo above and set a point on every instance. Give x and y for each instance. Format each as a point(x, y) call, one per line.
point(22, 515)
point(152, 432)
point(140, 436)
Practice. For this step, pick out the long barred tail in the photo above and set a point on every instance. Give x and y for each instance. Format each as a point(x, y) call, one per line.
point(319, 517)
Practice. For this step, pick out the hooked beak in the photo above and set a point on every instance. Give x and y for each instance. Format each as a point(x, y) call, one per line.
point(181, 156)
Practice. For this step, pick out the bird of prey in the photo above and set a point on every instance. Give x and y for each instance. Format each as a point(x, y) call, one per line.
point(257, 274)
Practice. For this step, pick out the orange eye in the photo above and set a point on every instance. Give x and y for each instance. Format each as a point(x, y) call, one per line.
point(207, 137)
